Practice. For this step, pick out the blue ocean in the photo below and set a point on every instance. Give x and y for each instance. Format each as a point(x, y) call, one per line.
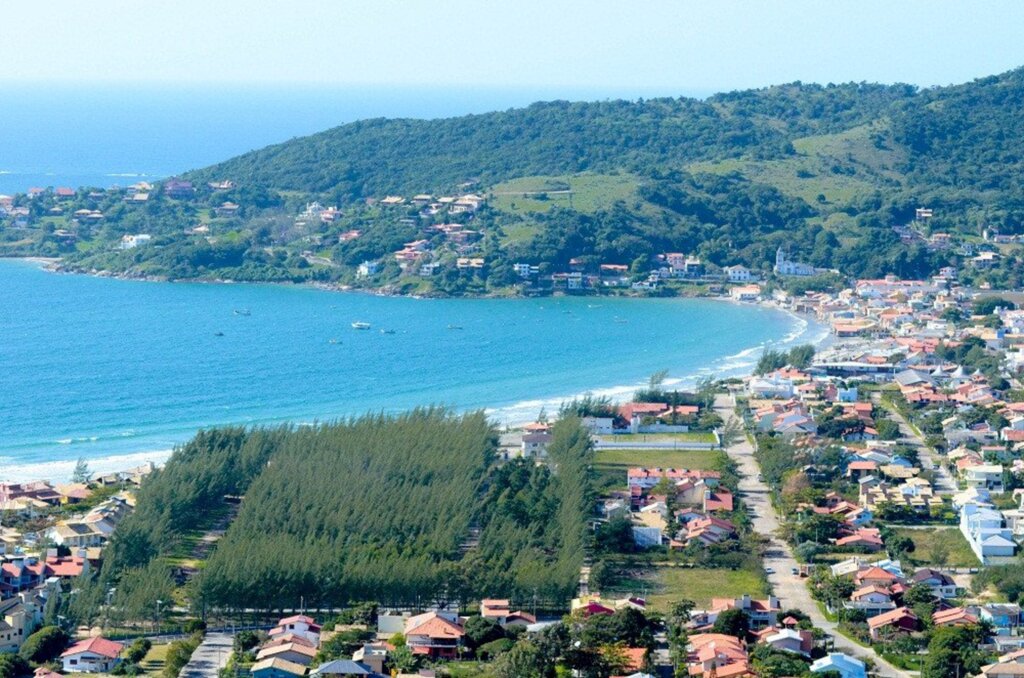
point(118, 371)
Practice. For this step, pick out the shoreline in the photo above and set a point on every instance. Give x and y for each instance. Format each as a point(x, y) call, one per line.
point(804, 329)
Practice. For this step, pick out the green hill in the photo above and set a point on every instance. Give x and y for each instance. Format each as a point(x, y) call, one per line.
point(826, 171)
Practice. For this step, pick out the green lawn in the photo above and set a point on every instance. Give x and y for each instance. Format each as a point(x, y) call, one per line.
point(929, 546)
point(153, 662)
point(611, 465)
point(689, 437)
point(692, 459)
point(662, 585)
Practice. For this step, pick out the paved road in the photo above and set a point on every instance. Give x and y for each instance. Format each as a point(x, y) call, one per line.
point(790, 589)
point(942, 481)
point(209, 658)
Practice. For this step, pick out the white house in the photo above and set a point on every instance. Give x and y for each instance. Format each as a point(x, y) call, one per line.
point(367, 268)
point(985, 531)
point(746, 292)
point(739, 274)
point(535, 444)
point(987, 476)
point(299, 625)
point(131, 241)
point(843, 664)
point(600, 426)
point(872, 600)
point(941, 584)
point(95, 655)
point(770, 387)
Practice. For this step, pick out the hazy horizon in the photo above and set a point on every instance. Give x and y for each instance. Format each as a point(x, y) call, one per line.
point(661, 45)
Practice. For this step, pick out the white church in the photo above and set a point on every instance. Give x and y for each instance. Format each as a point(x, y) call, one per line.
point(785, 266)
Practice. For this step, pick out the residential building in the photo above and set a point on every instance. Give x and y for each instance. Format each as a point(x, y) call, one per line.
point(739, 274)
point(761, 613)
point(843, 664)
point(900, 620)
point(1004, 617)
point(986, 533)
point(941, 584)
point(437, 635)
point(299, 625)
point(95, 655)
point(275, 667)
point(294, 652)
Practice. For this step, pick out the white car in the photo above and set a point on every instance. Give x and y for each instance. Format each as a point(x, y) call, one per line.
point(769, 570)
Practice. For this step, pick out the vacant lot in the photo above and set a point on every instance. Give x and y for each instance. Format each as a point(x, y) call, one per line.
point(939, 547)
point(688, 437)
point(663, 585)
point(611, 465)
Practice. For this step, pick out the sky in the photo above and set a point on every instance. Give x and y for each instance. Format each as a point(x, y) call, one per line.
point(657, 45)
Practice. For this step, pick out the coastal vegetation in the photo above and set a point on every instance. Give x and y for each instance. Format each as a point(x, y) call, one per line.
point(826, 172)
point(395, 509)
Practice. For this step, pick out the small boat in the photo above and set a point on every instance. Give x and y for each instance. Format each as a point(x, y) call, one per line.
point(387, 331)
point(218, 334)
point(621, 321)
point(455, 327)
point(360, 326)
point(242, 311)
point(333, 341)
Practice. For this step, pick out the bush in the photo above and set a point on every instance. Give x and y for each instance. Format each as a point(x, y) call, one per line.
point(44, 645)
point(178, 654)
point(12, 665)
point(481, 631)
point(137, 651)
point(194, 625)
point(246, 640)
point(494, 648)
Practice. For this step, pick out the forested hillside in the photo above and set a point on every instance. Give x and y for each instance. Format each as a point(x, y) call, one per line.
point(394, 509)
point(827, 171)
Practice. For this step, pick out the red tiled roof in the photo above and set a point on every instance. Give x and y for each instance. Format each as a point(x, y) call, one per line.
point(295, 619)
point(891, 617)
point(97, 645)
point(436, 627)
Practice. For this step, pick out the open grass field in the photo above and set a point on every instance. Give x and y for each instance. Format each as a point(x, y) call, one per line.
point(611, 465)
point(661, 458)
point(813, 172)
point(944, 547)
point(688, 437)
point(663, 585)
point(153, 662)
point(583, 192)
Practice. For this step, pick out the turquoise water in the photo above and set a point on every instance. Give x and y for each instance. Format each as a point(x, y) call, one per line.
point(115, 370)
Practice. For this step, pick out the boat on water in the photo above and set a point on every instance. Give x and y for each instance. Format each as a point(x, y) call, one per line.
point(358, 325)
point(333, 341)
point(242, 311)
point(387, 331)
point(218, 334)
point(621, 321)
point(455, 327)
